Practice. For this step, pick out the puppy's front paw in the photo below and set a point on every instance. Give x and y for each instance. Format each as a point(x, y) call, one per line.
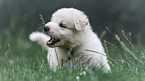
point(40, 38)
point(35, 36)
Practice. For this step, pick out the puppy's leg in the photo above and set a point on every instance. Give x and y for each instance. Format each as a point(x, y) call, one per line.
point(106, 68)
point(52, 58)
point(56, 57)
point(40, 38)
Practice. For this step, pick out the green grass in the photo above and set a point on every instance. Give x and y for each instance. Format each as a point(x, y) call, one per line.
point(22, 60)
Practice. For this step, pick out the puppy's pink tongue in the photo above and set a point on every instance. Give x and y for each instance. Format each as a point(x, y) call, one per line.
point(52, 41)
point(49, 42)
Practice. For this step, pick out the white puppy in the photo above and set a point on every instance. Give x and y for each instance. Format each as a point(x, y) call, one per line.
point(70, 35)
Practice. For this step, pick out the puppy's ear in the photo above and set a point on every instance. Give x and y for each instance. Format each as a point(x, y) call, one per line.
point(80, 24)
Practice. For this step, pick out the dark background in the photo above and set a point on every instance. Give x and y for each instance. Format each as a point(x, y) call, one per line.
point(117, 15)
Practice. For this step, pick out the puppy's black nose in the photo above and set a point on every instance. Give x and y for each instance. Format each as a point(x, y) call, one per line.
point(46, 29)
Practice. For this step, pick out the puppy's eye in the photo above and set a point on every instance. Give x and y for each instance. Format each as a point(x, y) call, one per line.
point(62, 25)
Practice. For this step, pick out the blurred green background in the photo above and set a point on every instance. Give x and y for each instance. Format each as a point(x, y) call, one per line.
point(117, 15)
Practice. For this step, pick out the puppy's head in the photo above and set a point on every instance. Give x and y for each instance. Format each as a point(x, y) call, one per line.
point(65, 27)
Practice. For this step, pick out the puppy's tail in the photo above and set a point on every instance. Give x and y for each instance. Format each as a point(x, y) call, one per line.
point(40, 38)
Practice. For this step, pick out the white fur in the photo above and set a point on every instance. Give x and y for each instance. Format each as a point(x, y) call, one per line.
point(77, 33)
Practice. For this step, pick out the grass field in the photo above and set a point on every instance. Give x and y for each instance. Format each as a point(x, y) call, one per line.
point(22, 60)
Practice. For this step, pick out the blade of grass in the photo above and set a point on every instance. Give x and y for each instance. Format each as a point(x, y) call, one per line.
point(127, 38)
point(112, 45)
point(41, 17)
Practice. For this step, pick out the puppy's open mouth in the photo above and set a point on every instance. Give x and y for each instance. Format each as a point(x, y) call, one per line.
point(53, 42)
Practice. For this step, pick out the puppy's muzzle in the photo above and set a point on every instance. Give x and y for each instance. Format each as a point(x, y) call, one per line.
point(46, 29)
